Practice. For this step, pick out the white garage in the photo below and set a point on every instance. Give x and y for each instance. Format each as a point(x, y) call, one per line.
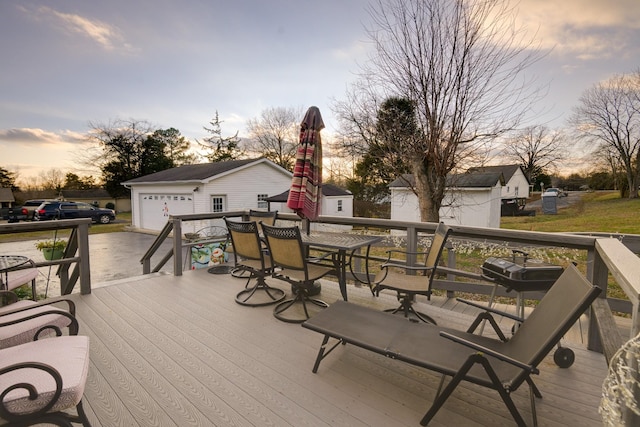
point(158, 207)
point(203, 188)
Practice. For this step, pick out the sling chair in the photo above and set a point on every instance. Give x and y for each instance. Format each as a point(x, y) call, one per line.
point(250, 256)
point(411, 280)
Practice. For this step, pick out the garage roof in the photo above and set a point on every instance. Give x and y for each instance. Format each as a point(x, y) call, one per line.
point(196, 173)
point(463, 180)
point(507, 170)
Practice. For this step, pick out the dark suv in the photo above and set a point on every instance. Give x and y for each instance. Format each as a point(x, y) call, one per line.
point(73, 210)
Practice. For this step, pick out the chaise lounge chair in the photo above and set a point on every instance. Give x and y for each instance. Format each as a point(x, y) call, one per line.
point(500, 364)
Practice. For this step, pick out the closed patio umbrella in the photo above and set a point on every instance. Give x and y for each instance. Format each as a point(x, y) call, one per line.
point(306, 187)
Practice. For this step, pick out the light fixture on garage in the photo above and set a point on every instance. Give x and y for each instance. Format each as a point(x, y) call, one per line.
point(195, 190)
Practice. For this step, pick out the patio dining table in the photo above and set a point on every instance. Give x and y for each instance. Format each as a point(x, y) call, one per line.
point(343, 243)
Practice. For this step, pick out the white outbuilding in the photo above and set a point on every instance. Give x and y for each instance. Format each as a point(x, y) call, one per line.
point(471, 199)
point(209, 187)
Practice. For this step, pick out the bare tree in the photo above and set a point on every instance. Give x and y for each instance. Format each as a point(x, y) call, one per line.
point(608, 115)
point(275, 134)
point(53, 179)
point(537, 149)
point(461, 65)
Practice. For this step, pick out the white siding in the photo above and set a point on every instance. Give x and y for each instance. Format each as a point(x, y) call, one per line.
point(404, 205)
point(239, 188)
point(516, 187)
point(471, 207)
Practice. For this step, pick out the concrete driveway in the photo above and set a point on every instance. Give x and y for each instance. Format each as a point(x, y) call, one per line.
point(113, 256)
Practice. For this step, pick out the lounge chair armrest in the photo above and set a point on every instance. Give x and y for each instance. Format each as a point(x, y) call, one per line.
point(71, 306)
point(489, 351)
point(491, 310)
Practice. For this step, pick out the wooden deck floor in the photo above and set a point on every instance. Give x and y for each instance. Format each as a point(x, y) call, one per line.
point(178, 351)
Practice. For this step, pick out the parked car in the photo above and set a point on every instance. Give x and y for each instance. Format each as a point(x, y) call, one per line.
point(22, 213)
point(29, 208)
point(554, 192)
point(73, 210)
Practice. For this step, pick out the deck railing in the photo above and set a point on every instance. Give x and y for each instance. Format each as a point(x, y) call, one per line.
point(76, 252)
point(604, 255)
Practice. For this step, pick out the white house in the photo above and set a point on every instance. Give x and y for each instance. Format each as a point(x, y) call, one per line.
point(472, 199)
point(335, 202)
point(516, 183)
point(209, 187)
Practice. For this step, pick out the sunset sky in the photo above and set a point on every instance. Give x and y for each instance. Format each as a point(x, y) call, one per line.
point(66, 63)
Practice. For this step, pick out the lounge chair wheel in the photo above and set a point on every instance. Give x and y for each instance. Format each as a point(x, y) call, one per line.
point(564, 357)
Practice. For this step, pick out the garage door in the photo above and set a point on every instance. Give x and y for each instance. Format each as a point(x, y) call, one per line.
point(155, 208)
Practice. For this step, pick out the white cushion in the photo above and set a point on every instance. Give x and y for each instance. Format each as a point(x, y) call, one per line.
point(23, 332)
point(18, 278)
point(69, 355)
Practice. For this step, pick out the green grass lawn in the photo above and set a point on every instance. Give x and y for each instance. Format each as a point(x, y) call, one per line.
point(596, 212)
point(123, 220)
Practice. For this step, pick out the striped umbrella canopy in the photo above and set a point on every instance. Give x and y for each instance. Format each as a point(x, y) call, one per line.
point(306, 187)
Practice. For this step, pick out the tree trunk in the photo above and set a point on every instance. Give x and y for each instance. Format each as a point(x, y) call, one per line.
point(633, 186)
point(429, 190)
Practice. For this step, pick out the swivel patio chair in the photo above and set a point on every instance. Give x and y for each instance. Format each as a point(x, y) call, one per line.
point(411, 280)
point(267, 217)
point(250, 256)
point(290, 263)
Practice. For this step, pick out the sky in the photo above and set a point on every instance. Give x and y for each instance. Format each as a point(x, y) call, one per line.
point(65, 64)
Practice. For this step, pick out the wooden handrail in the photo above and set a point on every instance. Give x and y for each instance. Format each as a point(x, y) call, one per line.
point(76, 252)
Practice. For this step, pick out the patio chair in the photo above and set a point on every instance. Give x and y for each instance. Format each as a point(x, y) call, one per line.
point(41, 380)
point(269, 218)
point(250, 256)
point(291, 264)
point(25, 320)
point(266, 217)
point(499, 364)
point(13, 279)
point(408, 280)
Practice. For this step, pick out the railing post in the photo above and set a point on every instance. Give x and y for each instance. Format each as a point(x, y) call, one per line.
point(599, 276)
point(412, 245)
point(83, 252)
point(177, 246)
point(451, 263)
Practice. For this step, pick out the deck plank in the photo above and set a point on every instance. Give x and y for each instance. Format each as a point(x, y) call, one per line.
point(169, 350)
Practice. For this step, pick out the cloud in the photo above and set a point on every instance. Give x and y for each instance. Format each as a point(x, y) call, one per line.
point(39, 136)
point(109, 37)
point(584, 29)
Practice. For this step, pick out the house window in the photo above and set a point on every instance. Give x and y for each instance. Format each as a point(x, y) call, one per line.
point(339, 205)
point(516, 191)
point(217, 204)
point(262, 201)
